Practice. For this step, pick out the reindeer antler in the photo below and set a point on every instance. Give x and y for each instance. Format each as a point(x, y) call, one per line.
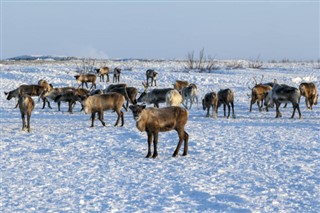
point(145, 85)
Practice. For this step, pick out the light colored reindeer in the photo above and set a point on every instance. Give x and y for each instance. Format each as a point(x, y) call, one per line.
point(190, 93)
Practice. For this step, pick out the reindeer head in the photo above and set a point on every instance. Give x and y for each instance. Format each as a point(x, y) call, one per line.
point(137, 110)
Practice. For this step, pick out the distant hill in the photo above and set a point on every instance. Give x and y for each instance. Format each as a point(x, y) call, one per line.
point(41, 57)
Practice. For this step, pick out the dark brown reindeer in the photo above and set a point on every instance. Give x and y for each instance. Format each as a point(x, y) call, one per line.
point(54, 93)
point(129, 93)
point(153, 121)
point(210, 101)
point(32, 90)
point(116, 75)
point(103, 71)
point(155, 96)
point(84, 78)
point(283, 94)
point(72, 96)
point(310, 92)
point(226, 97)
point(151, 74)
point(26, 106)
point(100, 103)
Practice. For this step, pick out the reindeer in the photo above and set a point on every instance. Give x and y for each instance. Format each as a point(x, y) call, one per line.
point(310, 92)
point(210, 100)
point(99, 103)
point(129, 93)
point(226, 97)
point(102, 72)
point(116, 74)
point(31, 90)
point(53, 93)
point(84, 78)
point(71, 97)
point(190, 93)
point(153, 121)
point(173, 98)
point(112, 86)
point(258, 92)
point(155, 96)
point(283, 94)
point(26, 106)
point(179, 85)
point(152, 74)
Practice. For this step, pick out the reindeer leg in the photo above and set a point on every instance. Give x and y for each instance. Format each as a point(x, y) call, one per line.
point(208, 114)
point(93, 115)
point(44, 103)
point(181, 137)
point(224, 110)
point(100, 116)
point(232, 107)
point(228, 110)
point(59, 105)
point(23, 121)
point(122, 119)
point(28, 122)
point(185, 147)
point(155, 144)
point(298, 107)
point(16, 105)
point(49, 104)
point(278, 113)
point(149, 144)
point(119, 115)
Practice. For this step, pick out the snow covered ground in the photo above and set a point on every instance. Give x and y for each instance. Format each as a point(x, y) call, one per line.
point(254, 163)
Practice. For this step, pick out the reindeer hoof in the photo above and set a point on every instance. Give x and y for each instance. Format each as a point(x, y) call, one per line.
point(148, 156)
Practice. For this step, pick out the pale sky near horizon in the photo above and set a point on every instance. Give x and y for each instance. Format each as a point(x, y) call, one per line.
point(162, 29)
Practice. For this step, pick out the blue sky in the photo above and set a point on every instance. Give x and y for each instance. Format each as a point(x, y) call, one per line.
point(162, 29)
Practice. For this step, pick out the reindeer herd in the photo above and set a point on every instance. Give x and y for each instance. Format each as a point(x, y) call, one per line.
point(153, 120)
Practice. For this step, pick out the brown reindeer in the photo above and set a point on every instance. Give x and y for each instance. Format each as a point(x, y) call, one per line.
point(257, 95)
point(32, 90)
point(310, 92)
point(26, 106)
point(210, 101)
point(226, 97)
point(179, 85)
point(99, 103)
point(116, 74)
point(151, 74)
point(84, 78)
point(153, 121)
point(102, 72)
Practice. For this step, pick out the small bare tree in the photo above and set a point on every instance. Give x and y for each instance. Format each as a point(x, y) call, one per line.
point(86, 65)
point(256, 64)
point(203, 63)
